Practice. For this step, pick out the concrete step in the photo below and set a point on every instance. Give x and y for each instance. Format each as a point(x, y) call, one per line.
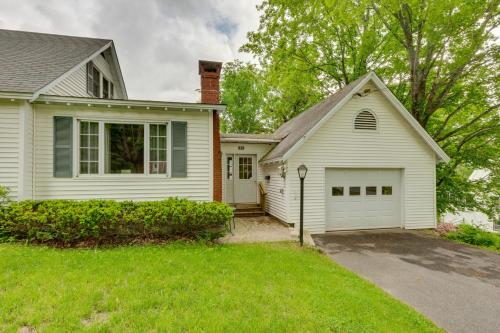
point(254, 213)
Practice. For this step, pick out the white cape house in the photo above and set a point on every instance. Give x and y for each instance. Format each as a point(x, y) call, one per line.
point(68, 130)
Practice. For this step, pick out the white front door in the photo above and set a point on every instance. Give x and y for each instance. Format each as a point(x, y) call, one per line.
point(245, 179)
point(362, 198)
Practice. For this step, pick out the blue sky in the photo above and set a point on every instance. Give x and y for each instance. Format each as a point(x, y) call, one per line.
point(158, 42)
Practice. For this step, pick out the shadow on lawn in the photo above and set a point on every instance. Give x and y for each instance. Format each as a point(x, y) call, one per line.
point(418, 249)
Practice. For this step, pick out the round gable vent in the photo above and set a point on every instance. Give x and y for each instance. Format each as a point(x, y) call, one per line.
point(365, 120)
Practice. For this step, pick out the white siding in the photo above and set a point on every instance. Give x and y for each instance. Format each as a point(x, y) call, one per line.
point(9, 147)
point(195, 186)
point(26, 151)
point(75, 84)
point(394, 145)
point(259, 149)
point(276, 192)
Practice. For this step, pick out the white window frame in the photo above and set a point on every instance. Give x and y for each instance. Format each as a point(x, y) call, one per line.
point(78, 147)
point(101, 166)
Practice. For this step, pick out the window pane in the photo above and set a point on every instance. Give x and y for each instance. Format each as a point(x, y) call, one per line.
point(94, 141)
point(84, 127)
point(386, 190)
point(354, 190)
point(158, 149)
point(89, 147)
point(337, 191)
point(163, 130)
point(94, 167)
point(124, 148)
point(162, 143)
point(162, 155)
point(96, 84)
point(93, 155)
point(93, 128)
point(105, 86)
point(153, 143)
point(84, 168)
point(371, 190)
point(84, 140)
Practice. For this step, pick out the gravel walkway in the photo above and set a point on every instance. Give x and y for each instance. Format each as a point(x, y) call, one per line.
point(262, 229)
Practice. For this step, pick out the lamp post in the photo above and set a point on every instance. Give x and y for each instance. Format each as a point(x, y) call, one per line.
point(302, 170)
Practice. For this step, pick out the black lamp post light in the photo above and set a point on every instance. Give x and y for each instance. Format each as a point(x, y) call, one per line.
point(302, 170)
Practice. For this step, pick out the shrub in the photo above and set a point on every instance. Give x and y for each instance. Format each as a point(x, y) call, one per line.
point(444, 228)
point(469, 234)
point(107, 221)
point(4, 194)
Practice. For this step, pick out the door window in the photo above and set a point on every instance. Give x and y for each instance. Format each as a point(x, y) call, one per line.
point(245, 167)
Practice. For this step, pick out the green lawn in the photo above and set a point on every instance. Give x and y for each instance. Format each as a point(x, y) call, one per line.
point(192, 288)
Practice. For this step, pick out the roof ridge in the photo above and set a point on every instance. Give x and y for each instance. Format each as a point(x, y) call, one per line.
point(56, 35)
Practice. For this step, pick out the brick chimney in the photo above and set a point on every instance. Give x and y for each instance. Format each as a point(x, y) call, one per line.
point(210, 94)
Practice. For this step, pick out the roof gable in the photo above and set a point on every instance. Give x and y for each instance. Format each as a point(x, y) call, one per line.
point(294, 132)
point(33, 62)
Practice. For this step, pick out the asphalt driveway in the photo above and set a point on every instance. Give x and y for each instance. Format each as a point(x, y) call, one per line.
point(456, 286)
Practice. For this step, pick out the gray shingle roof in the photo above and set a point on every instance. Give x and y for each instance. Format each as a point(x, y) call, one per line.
point(29, 60)
point(294, 129)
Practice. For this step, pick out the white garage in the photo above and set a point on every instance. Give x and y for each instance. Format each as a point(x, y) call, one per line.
point(362, 198)
point(370, 164)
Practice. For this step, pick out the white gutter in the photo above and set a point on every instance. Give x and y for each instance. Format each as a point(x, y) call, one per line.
point(15, 95)
point(127, 103)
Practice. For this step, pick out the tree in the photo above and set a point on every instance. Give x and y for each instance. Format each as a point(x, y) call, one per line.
point(242, 91)
point(440, 58)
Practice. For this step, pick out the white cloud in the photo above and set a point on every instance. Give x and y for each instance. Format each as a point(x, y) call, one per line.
point(158, 42)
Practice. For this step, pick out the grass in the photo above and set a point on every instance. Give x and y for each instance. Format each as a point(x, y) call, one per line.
point(192, 288)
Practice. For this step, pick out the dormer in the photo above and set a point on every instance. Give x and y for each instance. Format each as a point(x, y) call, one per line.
point(46, 64)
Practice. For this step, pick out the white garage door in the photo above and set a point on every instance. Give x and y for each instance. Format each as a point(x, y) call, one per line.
point(363, 198)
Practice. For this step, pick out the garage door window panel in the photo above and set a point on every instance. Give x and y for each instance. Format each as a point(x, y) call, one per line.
point(355, 190)
point(337, 191)
point(371, 190)
point(386, 190)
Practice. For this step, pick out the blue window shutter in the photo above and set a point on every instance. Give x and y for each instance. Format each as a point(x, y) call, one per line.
point(63, 146)
point(179, 148)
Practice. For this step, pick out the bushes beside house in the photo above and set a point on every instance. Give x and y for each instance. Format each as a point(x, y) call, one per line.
point(4, 194)
point(106, 221)
point(466, 233)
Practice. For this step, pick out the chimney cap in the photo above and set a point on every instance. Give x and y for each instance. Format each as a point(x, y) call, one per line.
point(209, 66)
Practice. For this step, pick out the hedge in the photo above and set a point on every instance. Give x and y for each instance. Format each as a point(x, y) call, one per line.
point(101, 221)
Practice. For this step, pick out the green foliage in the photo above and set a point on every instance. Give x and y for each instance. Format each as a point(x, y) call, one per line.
point(440, 58)
point(4, 195)
point(472, 235)
point(242, 91)
point(70, 221)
